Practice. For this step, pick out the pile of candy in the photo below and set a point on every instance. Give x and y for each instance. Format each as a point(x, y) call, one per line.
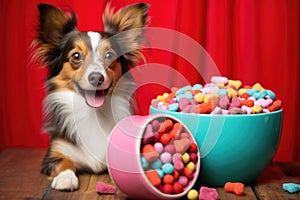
point(221, 96)
point(169, 155)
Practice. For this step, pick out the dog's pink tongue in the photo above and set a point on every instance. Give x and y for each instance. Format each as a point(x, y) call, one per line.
point(95, 98)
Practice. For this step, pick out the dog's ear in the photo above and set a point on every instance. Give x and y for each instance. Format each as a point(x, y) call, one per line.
point(126, 27)
point(54, 23)
point(129, 17)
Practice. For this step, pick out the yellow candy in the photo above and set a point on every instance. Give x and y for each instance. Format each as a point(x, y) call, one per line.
point(242, 91)
point(237, 84)
point(192, 194)
point(185, 158)
point(191, 166)
point(160, 98)
point(207, 98)
point(165, 95)
point(257, 109)
point(199, 97)
point(231, 92)
point(258, 87)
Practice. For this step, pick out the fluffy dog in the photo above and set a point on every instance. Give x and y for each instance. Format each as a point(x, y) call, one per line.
point(83, 102)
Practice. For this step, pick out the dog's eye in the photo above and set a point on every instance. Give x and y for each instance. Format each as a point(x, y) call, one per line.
point(76, 58)
point(108, 55)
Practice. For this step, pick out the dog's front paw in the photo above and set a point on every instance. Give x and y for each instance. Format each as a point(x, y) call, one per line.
point(65, 180)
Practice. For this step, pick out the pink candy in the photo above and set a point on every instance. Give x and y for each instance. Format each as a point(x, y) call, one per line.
point(103, 188)
point(206, 193)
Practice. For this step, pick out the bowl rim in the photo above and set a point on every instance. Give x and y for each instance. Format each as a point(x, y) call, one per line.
point(196, 172)
point(214, 115)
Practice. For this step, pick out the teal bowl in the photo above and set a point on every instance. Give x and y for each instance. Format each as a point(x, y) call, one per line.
point(235, 148)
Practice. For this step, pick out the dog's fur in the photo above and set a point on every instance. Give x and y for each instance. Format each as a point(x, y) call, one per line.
point(87, 92)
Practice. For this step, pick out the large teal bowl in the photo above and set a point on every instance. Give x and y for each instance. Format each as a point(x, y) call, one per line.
point(232, 147)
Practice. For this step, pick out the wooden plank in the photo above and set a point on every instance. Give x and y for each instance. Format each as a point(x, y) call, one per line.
point(20, 176)
point(269, 184)
point(248, 194)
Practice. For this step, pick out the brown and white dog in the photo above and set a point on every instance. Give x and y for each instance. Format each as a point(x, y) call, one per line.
point(83, 102)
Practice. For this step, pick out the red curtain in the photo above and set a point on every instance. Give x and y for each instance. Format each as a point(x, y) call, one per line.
point(253, 41)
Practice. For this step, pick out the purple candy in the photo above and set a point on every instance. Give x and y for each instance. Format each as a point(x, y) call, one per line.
point(183, 102)
point(193, 158)
point(224, 102)
point(170, 149)
point(148, 136)
point(155, 125)
point(176, 157)
point(178, 165)
point(183, 180)
point(159, 147)
point(165, 157)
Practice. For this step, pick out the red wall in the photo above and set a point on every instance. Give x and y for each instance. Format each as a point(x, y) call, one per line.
point(253, 41)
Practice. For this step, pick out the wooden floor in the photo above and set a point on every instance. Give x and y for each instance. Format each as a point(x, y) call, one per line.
point(20, 179)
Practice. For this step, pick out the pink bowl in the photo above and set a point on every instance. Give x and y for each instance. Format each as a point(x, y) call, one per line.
point(123, 159)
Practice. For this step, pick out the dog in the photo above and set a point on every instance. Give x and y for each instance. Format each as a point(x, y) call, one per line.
point(87, 86)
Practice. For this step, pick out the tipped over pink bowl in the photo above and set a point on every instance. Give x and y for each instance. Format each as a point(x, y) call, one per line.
point(124, 159)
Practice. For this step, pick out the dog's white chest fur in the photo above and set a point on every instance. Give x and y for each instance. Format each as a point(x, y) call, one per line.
point(88, 127)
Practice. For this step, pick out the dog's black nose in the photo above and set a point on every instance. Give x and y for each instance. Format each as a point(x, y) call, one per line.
point(96, 78)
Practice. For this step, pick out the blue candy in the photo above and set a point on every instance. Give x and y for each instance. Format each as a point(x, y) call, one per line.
point(197, 87)
point(182, 90)
point(173, 107)
point(188, 95)
point(260, 95)
point(251, 92)
point(144, 162)
point(156, 164)
point(291, 187)
point(168, 168)
point(222, 92)
point(271, 94)
point(160, 173)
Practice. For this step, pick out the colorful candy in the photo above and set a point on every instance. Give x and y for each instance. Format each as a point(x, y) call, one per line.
point(169, 155)
point(103, 188)
point(291, 187)
point(206, 193)
point(221, 96)
point(192, 194)
point(236, 188)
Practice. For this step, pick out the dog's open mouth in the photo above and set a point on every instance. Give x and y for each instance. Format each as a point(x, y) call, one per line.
point(94, 98)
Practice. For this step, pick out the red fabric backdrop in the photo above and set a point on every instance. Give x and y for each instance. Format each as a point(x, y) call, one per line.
point(253, 41)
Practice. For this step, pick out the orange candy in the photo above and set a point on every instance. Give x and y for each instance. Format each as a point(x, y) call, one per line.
point(166, 126)
point(237, 188)
point(149, 153)
point(248, 103)
point(153, 177)
point(276, 105)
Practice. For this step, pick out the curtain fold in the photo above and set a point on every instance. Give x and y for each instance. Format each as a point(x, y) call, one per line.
point(253, 41)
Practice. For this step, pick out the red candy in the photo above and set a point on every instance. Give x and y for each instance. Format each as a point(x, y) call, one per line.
point(153, 177)
point(165, 139)
point(177, 188)
point(187, 172)
point(168, 179)
point(193, 148)
point(168, 189)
